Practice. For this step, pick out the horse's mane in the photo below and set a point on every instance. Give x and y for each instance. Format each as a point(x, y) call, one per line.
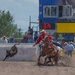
point(47, 42)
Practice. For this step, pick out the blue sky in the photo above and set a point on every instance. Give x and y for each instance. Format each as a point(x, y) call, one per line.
point(21, 10)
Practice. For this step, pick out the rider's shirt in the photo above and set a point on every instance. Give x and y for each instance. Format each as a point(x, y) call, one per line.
point(41, 37)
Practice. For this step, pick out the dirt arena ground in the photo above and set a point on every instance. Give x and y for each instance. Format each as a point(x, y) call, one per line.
point(30, 68)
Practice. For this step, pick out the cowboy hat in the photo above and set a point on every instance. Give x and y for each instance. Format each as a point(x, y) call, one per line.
point(42, 31)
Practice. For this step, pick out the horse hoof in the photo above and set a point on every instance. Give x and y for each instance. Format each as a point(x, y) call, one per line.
point(56, 64)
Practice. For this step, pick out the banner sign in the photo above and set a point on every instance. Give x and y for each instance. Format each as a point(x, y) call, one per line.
point(65, 27)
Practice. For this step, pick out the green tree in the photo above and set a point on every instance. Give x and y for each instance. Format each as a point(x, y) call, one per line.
point(7, 26)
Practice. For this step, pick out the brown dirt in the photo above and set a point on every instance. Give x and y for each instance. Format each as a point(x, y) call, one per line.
point(30, 68)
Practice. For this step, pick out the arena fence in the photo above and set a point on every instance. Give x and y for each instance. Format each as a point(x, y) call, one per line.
point(26, 52)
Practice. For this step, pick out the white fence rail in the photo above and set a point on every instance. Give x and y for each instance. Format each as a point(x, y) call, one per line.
point(26, 52)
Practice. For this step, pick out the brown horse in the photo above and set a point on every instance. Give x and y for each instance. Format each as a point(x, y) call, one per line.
point(48, 51)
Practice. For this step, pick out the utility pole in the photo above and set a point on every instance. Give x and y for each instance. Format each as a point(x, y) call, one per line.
point(30, 21)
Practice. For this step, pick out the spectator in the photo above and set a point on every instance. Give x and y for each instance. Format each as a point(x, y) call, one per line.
point(35, 36)
point(30, 30)
point(68, 48)
point(30, 38)
point(12, 40)
point(25, 39)
point(4, 39)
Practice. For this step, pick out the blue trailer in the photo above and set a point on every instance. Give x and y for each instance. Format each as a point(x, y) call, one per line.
point(53, 13)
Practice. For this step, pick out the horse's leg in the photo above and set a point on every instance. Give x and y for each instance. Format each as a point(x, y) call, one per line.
point(47, 57)
point(45, 60)
point(49, 60)
point(39, 60)
point(56, 59)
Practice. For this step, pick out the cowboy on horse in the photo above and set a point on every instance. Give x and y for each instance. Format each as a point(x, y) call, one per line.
point(42, 36)
point(46, 48)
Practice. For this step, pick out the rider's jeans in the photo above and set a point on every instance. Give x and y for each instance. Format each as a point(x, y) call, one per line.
point(40, 48)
